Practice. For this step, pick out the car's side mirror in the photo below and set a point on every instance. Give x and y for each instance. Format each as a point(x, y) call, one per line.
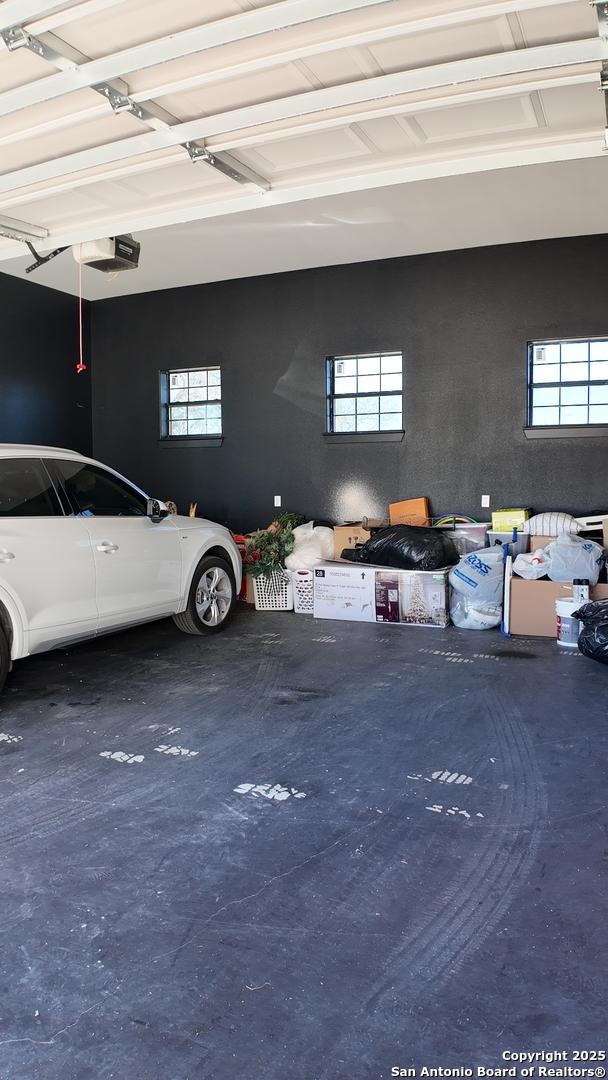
point(156, 511)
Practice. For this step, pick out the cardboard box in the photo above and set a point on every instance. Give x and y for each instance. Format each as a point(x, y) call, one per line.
point(348, 536)
point(247, 594)
point(537, 542)
point(380, 594)
point(410, 512)
point(533, 605)
point(344, 591)
point(511, 518)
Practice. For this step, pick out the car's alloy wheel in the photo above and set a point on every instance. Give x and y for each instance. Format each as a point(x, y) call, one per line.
point(212, 597)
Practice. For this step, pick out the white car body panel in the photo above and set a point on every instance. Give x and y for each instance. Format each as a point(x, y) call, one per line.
point(52, 574)
point(59, 587)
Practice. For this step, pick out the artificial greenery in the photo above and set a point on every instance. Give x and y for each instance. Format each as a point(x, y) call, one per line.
point(267, 549)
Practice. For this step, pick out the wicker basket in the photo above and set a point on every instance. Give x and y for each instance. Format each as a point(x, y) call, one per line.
point(303, 591)
point(273, 592)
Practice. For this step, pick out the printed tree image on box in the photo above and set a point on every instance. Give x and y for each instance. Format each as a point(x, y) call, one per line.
point(387, 597)
point(423, 599)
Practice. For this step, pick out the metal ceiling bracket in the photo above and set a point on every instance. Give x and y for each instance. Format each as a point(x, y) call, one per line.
point(226, 164)
point(604, 89)
point(13, 229)
point(40, 260)
point(601, 10)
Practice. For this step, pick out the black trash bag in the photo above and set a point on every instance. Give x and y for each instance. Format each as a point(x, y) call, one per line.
point(593, 638)
point(406, 547)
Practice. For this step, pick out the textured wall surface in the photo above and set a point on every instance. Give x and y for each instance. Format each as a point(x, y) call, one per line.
point(462, 320)
point(42, 399)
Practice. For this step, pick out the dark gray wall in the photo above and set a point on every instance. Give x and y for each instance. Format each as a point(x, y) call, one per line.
point(42, 399)
point(462, 320)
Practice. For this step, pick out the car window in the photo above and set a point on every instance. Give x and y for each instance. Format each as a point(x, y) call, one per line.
point(26, 489)
point(93, 492)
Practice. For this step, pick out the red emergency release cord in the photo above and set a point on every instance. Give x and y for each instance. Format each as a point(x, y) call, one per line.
point(80, 366)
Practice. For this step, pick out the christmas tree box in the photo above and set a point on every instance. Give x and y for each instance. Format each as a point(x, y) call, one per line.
point(344, 591)
point(423, 596)
point(360, 593)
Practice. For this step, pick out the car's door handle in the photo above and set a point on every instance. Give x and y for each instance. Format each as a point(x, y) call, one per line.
point(6, 556)
point(107, 547)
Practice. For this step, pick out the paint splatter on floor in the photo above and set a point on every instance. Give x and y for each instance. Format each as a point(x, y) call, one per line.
point(125, 759)
point(438, 808)
point(275, 792)
point(5, 737)
point(443, 777)
point(176, 751)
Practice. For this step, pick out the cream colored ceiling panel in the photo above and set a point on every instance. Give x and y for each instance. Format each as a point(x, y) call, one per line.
point(293, 40)
point(388, 135)
point(566, 22)
point(574, 107)
point(331, 69)
point(472, 121)
point(307, 151)
point(181, 179)
point(234, 93)
point(79, 137)
point(456, 43)
point(19, 68)
point(50, 112)
point(137, 21)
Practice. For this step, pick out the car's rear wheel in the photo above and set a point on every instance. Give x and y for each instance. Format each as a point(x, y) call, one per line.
point(5, 658)
point(211, 600)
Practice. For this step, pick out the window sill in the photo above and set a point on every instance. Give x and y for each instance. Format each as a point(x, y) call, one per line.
point(363, 437)
point(193, 440)
point(572, 432)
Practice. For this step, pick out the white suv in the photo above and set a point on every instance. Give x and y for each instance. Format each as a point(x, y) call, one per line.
point(85, 552)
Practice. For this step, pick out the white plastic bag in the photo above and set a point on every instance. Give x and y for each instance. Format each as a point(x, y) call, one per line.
point(473, 614)
point(532, 566)
point(574, 557)
point(476, 590)
point(312, 545)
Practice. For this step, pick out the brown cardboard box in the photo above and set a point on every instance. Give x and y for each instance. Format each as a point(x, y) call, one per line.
point(410, 512)
point(537, 542)
point(348, 536)
point(248, 595)
point(533, 605)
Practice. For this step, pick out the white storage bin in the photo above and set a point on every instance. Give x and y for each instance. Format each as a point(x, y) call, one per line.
point(303, 591)
point(273, 592)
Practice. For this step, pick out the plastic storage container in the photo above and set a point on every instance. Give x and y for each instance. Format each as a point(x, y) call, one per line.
point(469, 536)
point(303, 583)
point(516, 547)
point(273, 592)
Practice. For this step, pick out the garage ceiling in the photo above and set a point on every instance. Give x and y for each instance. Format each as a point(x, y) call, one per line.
point(295, 132)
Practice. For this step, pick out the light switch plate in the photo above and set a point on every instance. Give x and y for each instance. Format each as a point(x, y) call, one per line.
point(277, 500)
point(485, 500)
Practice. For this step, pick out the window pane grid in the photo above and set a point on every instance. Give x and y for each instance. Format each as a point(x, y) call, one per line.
point(568, 383)
point(365, 393)
point(193, 403)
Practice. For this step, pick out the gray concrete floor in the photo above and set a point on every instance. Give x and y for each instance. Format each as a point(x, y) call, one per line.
point(383, 911)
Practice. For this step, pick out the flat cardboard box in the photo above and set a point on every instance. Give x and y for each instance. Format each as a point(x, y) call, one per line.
point(410, 512)
point(348, 536)
point(344, 591)
point(356, 592)
point(533, 605)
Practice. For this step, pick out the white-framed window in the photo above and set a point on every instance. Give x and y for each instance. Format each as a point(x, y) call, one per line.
point(191, 403)
point(365, 393)
point(568, 382)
